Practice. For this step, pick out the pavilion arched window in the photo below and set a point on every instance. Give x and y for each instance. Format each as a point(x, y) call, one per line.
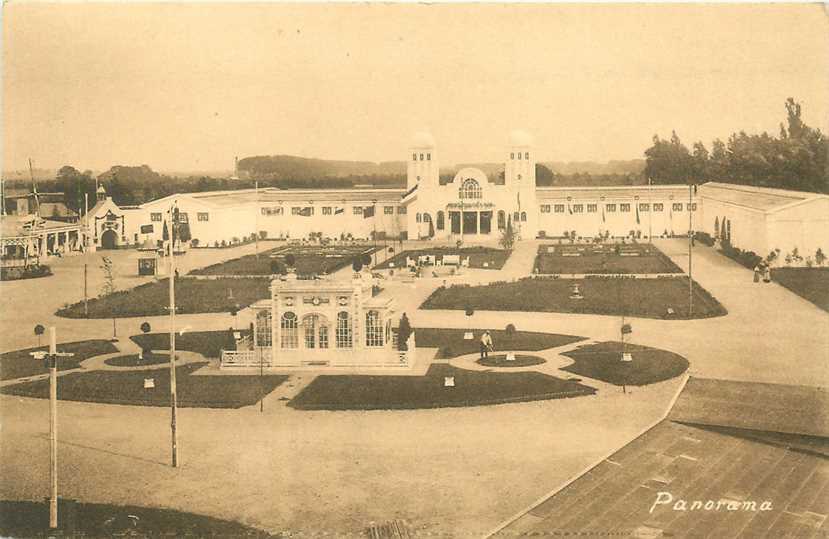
point(427, 218)
point(263, 328)
point(523, 217)
point(374, 329)
point(344, 332)
point(470, 189)
point(439, 224)
point(290, 336)
point(515, 217)
point(502, 220)
point(418, 217)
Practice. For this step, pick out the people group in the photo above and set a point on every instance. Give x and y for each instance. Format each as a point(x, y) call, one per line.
point(762, 271)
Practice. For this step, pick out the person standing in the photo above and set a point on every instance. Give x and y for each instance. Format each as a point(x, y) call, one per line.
point(757, 270)
point(486, 344)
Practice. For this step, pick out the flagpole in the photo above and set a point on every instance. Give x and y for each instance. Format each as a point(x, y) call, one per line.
point(650, 212)
point(690, 251)
point(256, 219)
point(173, 397)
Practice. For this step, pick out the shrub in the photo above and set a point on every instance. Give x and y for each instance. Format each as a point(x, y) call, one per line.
point(224, 243)
point(469, 311)
point(820, 258)
point(510, 329)
point(194, 242)
point(357, 266)
point(404, 331)
point(263, 234)
point(290, 260)
point(704, 238)
point(366, 259)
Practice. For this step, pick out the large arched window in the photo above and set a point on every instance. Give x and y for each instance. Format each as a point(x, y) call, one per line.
point(263, 328)
point(427, 218)
point(439, 224)
point(515, 217)
point(290, 337)
point(470, 189)
point(374, 329)
point(417, 217)
point(344, 334)
point(502, 220)
point(523, 217)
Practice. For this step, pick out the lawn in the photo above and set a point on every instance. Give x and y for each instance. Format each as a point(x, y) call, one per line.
point(192, 296)
point(520, 360)
point(19, 364)
point(600, 259)
point(309, 260)
point(131, 360)
point(451, 344)
point(207, 343)
point(31, 519)
point(478, 256)
point(127, 387)
point(647, 298)
point(602, 361)
point(472, 388)
point(811, 284)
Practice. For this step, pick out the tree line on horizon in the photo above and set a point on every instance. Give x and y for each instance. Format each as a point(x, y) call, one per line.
point(796, 159)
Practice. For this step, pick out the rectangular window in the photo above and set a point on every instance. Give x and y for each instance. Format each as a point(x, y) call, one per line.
point(401, 210)
point(271, 211)
point(358, 210)
point(388, 210)
point(591, 208)
point(414, 157)
point(624, 207)
point(182, 217)
point(657, 206)
point(677, 206)
point(203, 216)
point(155, 217)
point(545, 208)
point(526, 155)
point(610, 208)
point(644, 207)
point(692, 207)
point(295, 210)
point(578, 208)
point(558, 208)
point(428, 157)
point(512, 155)
point(326, 210)
point(421, 157)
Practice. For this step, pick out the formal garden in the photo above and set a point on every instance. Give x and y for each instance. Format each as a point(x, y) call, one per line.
point(479, 257)
point(812, 284)
point(601, 361)
point(132, 388)
point(663, 297)
point(451, 343)
point(442, 386)
point(20, 363)
point(192, 296)
point(31, 519)
point(628, 258)
point(304, 259)
point(508, 361)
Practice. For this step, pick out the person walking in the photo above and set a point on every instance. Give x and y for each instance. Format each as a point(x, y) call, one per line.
point(767, 274)
point(757, 270)
point(486, 344)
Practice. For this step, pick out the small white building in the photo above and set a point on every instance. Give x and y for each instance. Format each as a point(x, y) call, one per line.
point(761, 219)
point(322, 323)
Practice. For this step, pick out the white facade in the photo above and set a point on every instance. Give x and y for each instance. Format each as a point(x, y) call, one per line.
point(474, 206)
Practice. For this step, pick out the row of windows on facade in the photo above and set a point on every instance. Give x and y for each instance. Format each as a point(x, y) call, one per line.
point(316, 330)
point(610, 208)
point(428, 157)
point(440, 218)
point(326, 210)
point(182, 217)
point(513, 155)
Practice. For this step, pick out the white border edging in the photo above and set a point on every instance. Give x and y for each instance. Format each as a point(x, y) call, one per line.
point(589, 467)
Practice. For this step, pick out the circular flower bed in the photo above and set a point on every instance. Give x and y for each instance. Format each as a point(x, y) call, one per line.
point(500, 360)
point(132, 360)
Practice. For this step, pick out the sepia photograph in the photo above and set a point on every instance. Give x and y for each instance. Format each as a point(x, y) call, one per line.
point(414, 270)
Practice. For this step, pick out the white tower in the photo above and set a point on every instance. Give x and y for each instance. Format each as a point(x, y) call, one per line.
point(519, 177)
point(423, 166)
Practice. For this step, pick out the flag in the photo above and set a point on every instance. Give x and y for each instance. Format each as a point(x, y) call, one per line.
point(368, 211)
point(306, 211)
point(637, 213)
point(338, 210)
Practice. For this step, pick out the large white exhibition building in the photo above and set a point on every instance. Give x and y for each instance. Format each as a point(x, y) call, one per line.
point(477, 207)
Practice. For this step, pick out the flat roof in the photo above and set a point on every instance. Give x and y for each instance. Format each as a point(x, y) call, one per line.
point(758, 198)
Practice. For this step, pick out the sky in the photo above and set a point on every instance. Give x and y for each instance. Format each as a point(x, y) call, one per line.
point(189, 86)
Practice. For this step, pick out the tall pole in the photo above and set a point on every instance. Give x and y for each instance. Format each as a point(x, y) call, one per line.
point(256, 218)
point(85, 254)
point(173, 403)
point(650, 211)
point(53, 428)
point(374, 228)
point(690, 250)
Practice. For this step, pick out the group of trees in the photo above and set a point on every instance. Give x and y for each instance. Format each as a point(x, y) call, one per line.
point(796, 159)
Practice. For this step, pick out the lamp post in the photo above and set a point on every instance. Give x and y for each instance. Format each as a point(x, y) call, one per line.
point(172, 279)
point(690, 250)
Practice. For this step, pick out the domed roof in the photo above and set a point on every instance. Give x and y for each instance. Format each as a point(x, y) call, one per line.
point(519, 137)
point(422, 139)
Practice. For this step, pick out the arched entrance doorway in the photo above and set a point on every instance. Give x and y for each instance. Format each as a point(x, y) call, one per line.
point(109, 239)
point(316, 331)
